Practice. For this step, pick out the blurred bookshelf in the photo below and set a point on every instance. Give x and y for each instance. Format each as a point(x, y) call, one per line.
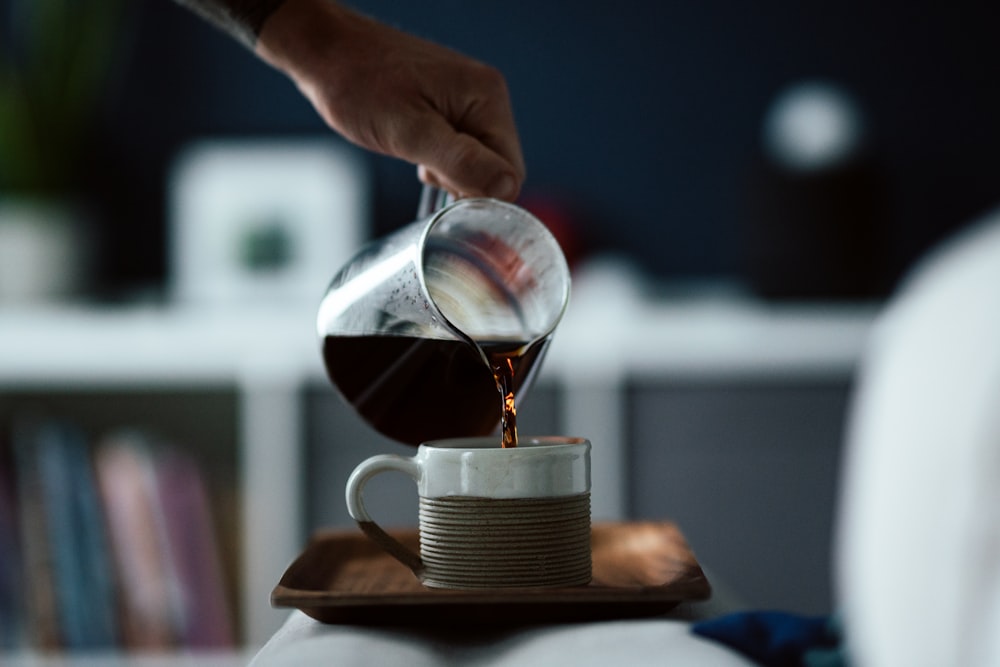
point(225, 392)
point(149, 403)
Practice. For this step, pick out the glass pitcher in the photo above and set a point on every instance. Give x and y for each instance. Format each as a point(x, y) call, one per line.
point(428, 331)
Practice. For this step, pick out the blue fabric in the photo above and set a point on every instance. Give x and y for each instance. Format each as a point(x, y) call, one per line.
point(778, 639)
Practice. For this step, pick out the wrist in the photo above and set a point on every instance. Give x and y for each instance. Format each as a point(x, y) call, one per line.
point(299, 33)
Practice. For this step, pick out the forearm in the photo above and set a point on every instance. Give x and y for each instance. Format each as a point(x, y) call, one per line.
point(243, 19)
point(386, 90)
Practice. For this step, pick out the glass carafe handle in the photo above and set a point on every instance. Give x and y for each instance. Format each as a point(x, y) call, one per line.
point(432, 199)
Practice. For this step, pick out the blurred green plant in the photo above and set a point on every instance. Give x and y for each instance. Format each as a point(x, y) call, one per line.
point(55, 57)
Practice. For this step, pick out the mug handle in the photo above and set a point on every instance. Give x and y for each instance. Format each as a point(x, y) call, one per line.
point(356, 506)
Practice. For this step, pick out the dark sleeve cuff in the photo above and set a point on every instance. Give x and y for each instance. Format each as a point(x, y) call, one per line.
point(242, 19)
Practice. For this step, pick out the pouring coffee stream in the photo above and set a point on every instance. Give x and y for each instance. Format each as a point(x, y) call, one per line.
point(427, 330)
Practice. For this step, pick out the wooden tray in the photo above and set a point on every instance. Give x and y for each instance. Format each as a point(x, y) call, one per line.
point(639, 569)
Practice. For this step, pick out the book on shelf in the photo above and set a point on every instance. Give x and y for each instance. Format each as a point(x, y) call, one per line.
point(115, 539)
point(125, 478)
point(11, 621)
point(81, 574)
point(203, 618)
point(40, 619)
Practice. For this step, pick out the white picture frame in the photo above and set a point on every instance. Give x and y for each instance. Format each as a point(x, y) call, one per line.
point(264, 221)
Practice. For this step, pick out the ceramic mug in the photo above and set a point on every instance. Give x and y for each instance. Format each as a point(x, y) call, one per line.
point(491, 517)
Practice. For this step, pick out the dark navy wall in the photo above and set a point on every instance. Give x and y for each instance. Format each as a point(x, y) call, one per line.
point(643, 116)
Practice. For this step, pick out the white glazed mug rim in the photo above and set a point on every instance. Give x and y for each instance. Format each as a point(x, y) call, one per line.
point(490, 444)
point(539, 467)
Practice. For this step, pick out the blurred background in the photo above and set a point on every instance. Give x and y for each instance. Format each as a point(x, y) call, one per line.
point(802, 154)
point(643, 124)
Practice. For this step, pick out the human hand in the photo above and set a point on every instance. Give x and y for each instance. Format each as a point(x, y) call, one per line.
point(400, 95)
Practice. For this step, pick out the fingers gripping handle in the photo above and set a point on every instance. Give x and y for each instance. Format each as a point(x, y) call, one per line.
point(356, 506)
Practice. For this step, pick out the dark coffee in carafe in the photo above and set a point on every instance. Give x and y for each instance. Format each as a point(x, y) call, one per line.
point(418, 389)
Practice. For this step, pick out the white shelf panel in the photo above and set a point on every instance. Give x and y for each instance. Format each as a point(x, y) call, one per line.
point(710, 340)
point(74, 346)
point(602, 341)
